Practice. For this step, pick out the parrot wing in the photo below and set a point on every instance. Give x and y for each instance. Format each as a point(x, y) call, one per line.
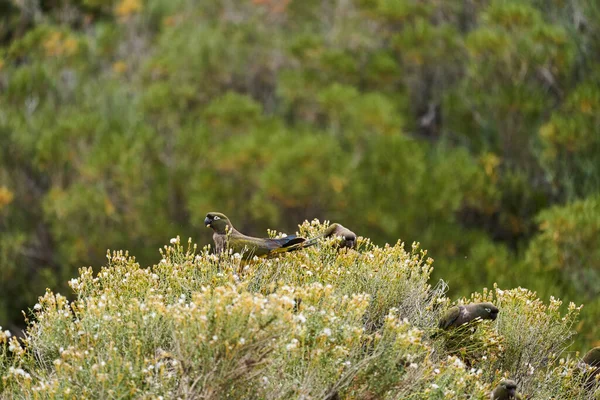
point(449, 318)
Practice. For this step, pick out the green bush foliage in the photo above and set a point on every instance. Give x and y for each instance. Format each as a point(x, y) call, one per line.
point(300, 326)
point(467, 126)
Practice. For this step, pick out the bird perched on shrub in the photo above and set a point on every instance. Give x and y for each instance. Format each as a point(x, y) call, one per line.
point(349, 237)
point(458, 315)
point(227, 237)
point(592, 358)
point(337, 230)
point(506, 390)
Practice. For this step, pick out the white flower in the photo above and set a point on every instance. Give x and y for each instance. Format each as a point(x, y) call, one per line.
point(292, 344)
point(242, 341)
point(215, 338)
point(433, 385)
point(174, 240)
point(301, 318)
point(327, 332)
point(414, 365)
point(436, 371)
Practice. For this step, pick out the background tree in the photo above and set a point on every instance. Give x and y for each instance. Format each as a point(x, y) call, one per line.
point(471, 127)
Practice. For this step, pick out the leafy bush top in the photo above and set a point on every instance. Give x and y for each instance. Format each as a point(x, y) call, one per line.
point(311, 324)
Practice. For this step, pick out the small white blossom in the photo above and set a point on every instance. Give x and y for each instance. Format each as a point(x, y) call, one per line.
point(292, 345)
point(301, 318)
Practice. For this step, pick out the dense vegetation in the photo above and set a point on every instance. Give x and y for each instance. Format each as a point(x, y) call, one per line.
point(314, 324)
point(469, 126)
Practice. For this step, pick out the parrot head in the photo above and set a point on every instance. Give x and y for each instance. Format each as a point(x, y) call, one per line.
point(488, 311)
point(218, 222)
point(511, 388)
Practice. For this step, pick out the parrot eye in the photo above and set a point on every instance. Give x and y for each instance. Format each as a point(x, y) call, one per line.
point(488, 310)
point(216, 217)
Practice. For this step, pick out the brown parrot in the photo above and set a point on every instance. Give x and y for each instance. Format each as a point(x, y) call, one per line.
point(592, 358)
point(506, 390)
point(335, 229)
point(459, 315)
point(348, 238)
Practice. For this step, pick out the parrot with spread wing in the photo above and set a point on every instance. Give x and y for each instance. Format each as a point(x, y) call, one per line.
point(226, 237)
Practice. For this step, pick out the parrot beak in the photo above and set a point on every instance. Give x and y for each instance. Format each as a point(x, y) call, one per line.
point(207, 222)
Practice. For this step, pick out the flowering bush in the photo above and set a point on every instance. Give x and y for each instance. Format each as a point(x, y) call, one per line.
point(315, 324)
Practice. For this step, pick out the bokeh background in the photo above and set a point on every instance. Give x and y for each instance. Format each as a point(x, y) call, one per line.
point(470, 126)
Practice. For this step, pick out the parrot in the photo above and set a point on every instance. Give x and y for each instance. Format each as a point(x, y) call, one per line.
point(227, 237)
point(458, 315)
point(506, 390)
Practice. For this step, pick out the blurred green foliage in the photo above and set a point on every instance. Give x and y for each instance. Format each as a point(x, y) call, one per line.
point(471, 127)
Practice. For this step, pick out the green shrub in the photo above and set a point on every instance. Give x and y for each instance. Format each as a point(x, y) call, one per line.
point(311, 324)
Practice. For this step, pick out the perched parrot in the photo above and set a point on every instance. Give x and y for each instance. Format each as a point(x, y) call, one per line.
point(592, 358)
point(335, 230)
point(458, 315)
point(506, 390)
point(226, 237)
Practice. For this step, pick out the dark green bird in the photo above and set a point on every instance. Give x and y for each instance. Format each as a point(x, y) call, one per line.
point(459, 315)
point(592, 358)
point(226, 237)
point(506, 390)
